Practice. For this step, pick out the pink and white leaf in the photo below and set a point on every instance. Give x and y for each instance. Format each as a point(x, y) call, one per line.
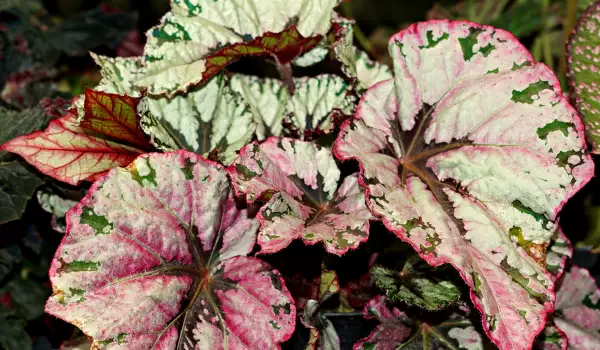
point(468, 154)
point(305, 201)
point(578, 309)
point(155, 257)
point(392, 331)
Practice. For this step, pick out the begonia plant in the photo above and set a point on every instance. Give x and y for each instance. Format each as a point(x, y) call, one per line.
point(464, 151)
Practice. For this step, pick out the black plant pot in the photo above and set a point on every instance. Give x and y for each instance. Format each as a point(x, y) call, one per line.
point(350, 327)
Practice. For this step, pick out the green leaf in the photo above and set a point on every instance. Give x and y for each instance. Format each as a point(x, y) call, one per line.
point(13, 335)
point(17, 185)
point(426, 289)
point(9, 256)
point(28, 297)
point(584, 72)
point(91, 29)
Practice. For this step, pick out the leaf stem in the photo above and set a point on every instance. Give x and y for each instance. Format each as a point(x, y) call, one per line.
point(360, 36)
point(286, 74)
point(571, 18)
point(545, 37)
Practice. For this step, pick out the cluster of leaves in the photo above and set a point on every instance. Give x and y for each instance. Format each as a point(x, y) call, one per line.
point(465, 149)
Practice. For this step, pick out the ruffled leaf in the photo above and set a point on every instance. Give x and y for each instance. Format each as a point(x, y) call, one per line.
point(584, 71)
point(207, 119)
point(469, 159)
point(155, 257)
point(306, 202)
point(198, 38)
point(397, 331)
point(426, 288)
point(578, 309)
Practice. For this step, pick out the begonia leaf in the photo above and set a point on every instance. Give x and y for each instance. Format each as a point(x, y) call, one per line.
point(198, 38)
point(356, 64)
point(155, 256)
point(315, 55)
point(309, 108)
point(268, 101)
point(306, 201)
point(118, 74)
point(468, 154)
point(427, 289)
point(114, 117)
point(577, 309)
point(208, 118)
point(108, 136)
point(204, 119)
point(584, 72)
point(392, 331)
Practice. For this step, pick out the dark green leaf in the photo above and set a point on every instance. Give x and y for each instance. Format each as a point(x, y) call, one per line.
point(13, 335)
point(17, 123)
point(426, 290)
point(583, 72)
point(17, 185)
point(9, 256)
point(28, 297)
point(91, 29)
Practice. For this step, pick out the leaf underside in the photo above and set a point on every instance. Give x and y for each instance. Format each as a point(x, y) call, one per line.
point(469, 160)
point(73, 151)
point(155, 257)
